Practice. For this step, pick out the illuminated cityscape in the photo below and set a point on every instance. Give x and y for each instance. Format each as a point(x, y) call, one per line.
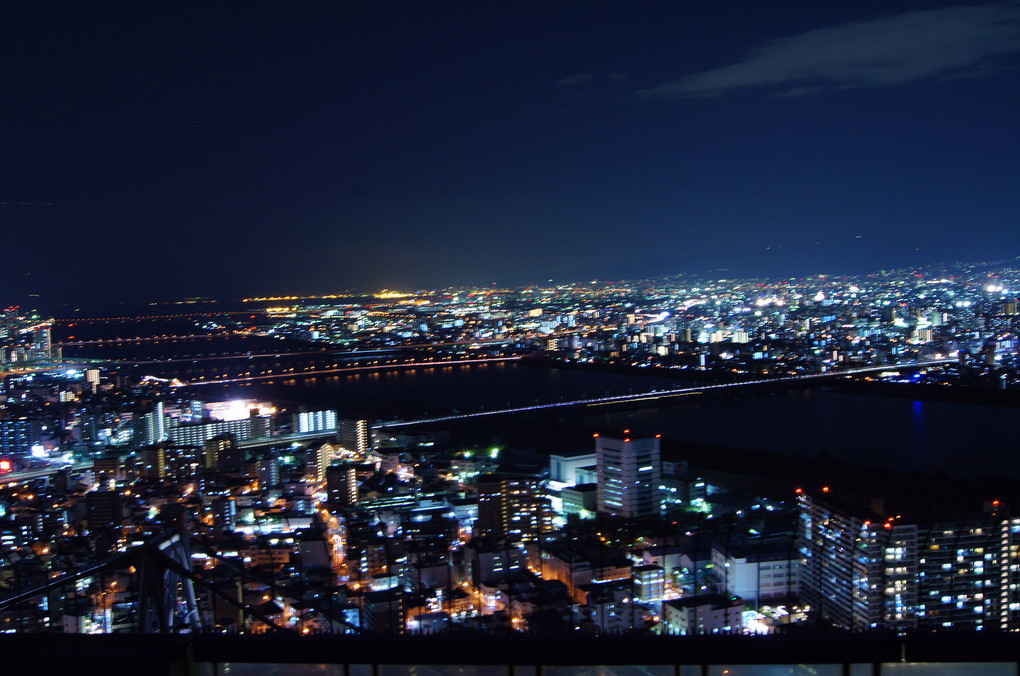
point(309, 518)
point(537, 339)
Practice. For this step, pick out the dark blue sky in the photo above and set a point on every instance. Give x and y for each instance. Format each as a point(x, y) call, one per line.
point(312, 147)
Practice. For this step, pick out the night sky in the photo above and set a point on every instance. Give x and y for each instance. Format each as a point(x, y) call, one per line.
point(215, 150)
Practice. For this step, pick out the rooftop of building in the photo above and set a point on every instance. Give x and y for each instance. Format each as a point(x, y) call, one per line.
point(714, 600)
point(915, 505)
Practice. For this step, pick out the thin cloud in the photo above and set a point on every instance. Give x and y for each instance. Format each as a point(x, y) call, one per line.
point(953, 41)
point(574, 80)
point(797, 92)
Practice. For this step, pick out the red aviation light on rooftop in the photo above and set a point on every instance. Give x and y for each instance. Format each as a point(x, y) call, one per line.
point(825, 489)
point(995, 503)
point(596, 435)
point(626, 431)
point(658, 436)
point(799, 491)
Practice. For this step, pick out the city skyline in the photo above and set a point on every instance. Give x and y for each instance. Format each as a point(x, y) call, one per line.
point(159, 154)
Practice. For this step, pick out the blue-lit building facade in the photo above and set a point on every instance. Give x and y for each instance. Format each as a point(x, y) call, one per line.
point(863, 571)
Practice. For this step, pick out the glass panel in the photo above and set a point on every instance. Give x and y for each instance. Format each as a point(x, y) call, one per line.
point(615, 670)
point(270, 669)
point(862, 669)
point(443, 670)
point(366, 670)
point(948, 668)
point(776, 670)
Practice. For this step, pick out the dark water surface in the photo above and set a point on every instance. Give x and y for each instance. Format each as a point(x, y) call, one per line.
point(887, 432)
point(957, 438)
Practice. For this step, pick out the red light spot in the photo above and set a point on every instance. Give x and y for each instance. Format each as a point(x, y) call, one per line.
point(995, 503)
point(825, 489)
point(799, 491)
point(5, 465)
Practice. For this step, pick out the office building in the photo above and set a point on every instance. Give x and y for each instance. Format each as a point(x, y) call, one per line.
point(703, 614)
point(649, 583)
point(629, 473)
point(758, 569)
point(563, 467)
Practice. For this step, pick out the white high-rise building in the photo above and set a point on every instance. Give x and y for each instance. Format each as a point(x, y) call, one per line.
point(355, 435)
point(316, 421)
point(42, 345)
point(154, 425)
point(629, 472)
point(92, 379)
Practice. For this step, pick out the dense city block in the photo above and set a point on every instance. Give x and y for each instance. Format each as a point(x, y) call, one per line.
point(142, 489)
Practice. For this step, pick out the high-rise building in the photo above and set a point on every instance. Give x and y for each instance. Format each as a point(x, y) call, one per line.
point(342, 485)
point(320, 457)
point(252, 427)
point(315, 421)
point(629, 472)
point(862, 570)
point(92, 379)
point(41, 343)
point(223, 454)
point(513, 506)
point(19, 435)
point(177, 463)
point(354, 435)
point(10, 321)
point(154, 425)
point(103, 509)
point(843, 549)
point(269, 472)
